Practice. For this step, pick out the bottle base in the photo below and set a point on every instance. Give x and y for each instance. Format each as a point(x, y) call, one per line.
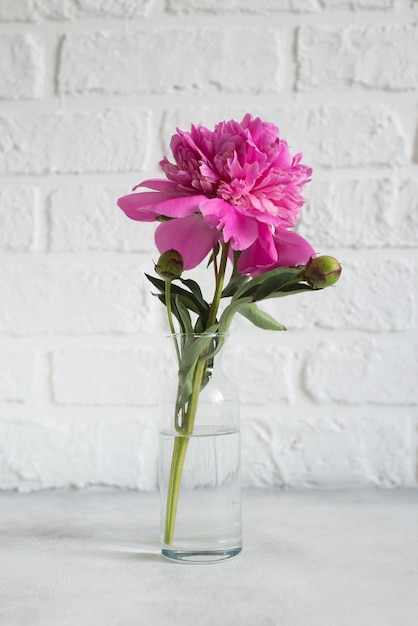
point(200, 556)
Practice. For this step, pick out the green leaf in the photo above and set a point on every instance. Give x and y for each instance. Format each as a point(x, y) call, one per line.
point(275, 283)
point(233, 286)
point(195, 346)
point(174, 310)
point(260, 318)
point(274, 279)
point(184, 314)
point(194, 288)
point(201, 304)
point(189, 299)
point(199, 326)
point(185, 390)
point(248, 309)
point(157, 282)
point(290, 290)
point(228, 314)
point(193, 349)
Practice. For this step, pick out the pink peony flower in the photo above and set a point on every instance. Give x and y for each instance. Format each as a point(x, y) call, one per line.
point(237, 183)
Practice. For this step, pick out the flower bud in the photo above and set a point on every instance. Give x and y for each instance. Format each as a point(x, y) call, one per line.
point(322, 271)
point(170, 265)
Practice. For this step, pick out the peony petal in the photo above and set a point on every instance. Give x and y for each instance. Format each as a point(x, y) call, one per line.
point(191, 236)
point(241, 230)
point(159, 184)
point(146, 206)
point(292, 249)
point(131, 206)
point(211, 210)
point(262, 253)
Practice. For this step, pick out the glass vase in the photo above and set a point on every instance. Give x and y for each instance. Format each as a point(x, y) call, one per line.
point(199, 456)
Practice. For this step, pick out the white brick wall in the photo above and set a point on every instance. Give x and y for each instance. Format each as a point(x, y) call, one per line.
point(357, 57)
point(90, 93)
point(73, 142)
point(22, 66)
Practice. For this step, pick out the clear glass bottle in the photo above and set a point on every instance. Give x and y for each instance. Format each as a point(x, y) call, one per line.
point(200, 470)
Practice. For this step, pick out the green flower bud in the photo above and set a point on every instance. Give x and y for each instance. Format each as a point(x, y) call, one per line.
point(170, 265)
point(322, 271)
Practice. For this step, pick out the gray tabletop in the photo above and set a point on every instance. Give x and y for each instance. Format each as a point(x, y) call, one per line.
point(326, 558)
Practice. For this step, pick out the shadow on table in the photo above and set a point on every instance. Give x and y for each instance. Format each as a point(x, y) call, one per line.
point(148, 551)
point(70, 538)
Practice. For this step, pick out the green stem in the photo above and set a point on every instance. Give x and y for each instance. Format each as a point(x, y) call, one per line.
point(215, 261)
point(170, 316)
point(176, 470)
point(181, 442)
point(219, 286)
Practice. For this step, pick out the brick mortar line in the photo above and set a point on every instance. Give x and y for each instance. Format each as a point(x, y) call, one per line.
point(152, 102)
point(166, 21)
